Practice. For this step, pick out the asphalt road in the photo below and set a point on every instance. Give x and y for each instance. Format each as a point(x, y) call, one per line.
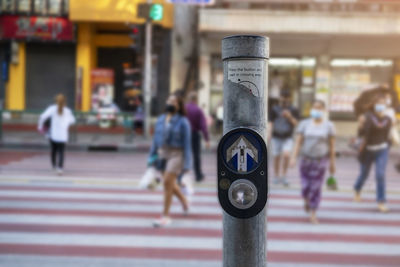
point(95, 215)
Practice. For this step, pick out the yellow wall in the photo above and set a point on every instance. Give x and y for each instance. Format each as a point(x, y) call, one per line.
point(15, 88)
point(86, 59)
point(123, 11)
point(112, 40)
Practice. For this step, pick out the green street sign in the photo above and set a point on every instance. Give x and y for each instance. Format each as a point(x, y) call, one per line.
point(156, 12)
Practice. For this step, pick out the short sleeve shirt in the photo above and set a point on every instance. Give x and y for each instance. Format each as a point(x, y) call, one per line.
point(316, 137)
point(282, 128)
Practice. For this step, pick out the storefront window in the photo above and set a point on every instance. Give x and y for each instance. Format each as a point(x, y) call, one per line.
point(350, 77)
point(8, 6)
point(55, 7)
point(217, 79)
point(66, 6)
point(24, 6)
point(39, 7)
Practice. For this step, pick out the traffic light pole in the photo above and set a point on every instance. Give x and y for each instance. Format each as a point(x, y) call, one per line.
point(245, 61)
point(147, 75)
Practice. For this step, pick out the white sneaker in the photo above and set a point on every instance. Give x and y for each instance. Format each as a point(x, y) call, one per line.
point(60, 171)
point(285, 182)
point(162, 222)
point(186, 212)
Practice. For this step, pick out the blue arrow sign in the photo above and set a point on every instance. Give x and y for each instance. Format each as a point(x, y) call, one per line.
point(242, 155)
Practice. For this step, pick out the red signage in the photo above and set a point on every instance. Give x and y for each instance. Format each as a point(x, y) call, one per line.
point(36, 28)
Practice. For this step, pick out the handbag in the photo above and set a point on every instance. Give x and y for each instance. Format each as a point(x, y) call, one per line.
point(394, 136)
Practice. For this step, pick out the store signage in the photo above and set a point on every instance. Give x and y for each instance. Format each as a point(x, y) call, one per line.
point(102, 83)
point(36, 28)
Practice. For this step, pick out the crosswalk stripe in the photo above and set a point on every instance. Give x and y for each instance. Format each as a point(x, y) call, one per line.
point(201, 243)
point(115, 222)
point(156, 207)
point(191, 232)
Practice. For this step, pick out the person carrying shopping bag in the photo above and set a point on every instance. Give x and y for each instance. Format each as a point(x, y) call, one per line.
point(172, 145)
point(316, 143)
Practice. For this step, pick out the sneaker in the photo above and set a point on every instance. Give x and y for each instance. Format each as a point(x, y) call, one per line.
point(357, 196)
point(186, 211)
point(60, 171)
point(285, 182)
point(383, 208)
point(200, 179)
point(162, 222)
point(398, 167)
point(276, 180)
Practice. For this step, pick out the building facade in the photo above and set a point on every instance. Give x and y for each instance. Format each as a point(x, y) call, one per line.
point(53, 46)
point(330, 50)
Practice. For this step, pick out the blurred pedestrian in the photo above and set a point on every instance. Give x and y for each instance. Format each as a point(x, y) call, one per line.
point(198, 125)
point(283, 119)
point(375, 129)
point(219, 118)
point(316, 143)
point(172, 147)
point(58, 118)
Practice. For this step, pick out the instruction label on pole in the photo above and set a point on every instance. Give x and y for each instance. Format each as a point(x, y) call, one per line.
point(248, 73)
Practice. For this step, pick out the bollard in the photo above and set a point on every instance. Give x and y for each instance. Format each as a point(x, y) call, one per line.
point(245, 62)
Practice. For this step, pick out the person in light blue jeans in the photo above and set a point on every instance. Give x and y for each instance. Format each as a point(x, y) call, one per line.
point(375, 129)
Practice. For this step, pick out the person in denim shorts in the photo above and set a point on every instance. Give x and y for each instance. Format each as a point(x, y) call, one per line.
point(283, 119)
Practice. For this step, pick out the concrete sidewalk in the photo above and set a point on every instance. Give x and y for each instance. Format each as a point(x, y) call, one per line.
point(125, 142)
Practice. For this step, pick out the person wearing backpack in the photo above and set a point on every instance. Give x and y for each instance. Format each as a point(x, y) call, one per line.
point(283, 119)
point(315, 143)
point(173, 149)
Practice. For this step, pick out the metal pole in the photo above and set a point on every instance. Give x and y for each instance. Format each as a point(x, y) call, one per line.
point(1, 121)
point(245, 61)
point(147, 75)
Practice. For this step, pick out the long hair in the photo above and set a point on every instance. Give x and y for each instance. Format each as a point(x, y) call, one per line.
point(181, 103)
point(60, 101)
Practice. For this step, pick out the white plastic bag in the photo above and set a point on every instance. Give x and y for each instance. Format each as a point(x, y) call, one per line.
point(150, 179)
point(187, 185)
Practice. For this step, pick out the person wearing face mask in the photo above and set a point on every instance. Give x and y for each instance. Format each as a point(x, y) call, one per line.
point(283, 119)
point(375, 130)
point(172, 146)
point(315, 143)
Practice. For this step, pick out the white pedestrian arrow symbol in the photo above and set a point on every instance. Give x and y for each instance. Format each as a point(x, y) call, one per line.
point(240, 151)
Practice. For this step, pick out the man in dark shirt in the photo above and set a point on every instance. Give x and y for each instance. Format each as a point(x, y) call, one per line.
point(199, 125)
point(283, 119)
